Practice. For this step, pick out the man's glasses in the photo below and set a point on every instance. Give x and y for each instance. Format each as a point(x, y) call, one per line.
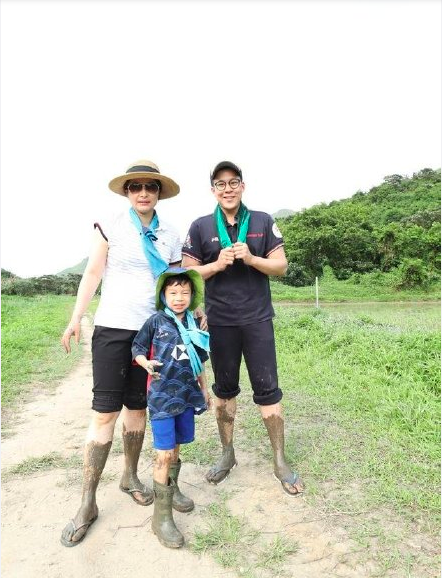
point(221, 185)
point(152, 187)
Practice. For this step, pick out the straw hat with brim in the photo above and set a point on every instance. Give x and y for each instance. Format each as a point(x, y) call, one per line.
point(194, 276)
point(141, 170)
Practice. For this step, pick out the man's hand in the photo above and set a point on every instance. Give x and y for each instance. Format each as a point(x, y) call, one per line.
point(242, 251)
point(199, 314)
point(225, 258)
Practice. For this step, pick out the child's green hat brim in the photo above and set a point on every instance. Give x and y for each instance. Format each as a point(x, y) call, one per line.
point(194, 276)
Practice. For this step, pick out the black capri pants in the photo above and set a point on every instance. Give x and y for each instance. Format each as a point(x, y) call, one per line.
point(256, 342)
point(117, 380)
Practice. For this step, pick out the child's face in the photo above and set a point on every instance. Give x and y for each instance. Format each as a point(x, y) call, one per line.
point(178, 297)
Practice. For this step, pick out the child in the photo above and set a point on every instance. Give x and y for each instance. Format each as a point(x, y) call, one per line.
point(172, 349)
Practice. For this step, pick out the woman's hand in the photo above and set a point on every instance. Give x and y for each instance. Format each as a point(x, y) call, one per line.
point(207, 397)
point(73, 329)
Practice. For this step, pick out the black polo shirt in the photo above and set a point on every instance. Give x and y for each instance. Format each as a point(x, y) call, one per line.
point(240, 295)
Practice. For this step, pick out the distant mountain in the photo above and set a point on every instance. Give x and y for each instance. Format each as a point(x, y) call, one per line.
point(77, 269)
point(282, 213)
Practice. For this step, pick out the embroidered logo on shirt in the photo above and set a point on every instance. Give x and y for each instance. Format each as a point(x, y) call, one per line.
point(188, 242)
point(179, 352)
point(253, 235)
point(276, 231)
point(214, 239)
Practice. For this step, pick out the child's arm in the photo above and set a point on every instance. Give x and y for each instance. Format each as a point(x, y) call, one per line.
point(149, 365)
point(202, 380)
point(140, 347)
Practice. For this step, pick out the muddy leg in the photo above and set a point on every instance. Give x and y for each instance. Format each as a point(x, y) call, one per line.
point(134, 425)
point(274, 422)
point(225, 411)
point(96, 451)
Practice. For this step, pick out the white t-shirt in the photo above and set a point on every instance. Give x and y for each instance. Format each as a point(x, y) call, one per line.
point(128, 286)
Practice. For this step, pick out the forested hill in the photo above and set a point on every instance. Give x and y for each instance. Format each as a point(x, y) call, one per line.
point(389, 225)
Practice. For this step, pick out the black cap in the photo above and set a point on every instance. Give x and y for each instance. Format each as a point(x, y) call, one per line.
point(222, 166)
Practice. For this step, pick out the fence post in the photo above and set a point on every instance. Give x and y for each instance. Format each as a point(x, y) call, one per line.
point(317, 292)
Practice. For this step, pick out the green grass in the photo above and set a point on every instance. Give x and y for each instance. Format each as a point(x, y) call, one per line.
point(235, 545)
point(361, 398)
point(374, 381)
point(31, 350)
point(362, 404)
point(330, 289)
point(33, 465)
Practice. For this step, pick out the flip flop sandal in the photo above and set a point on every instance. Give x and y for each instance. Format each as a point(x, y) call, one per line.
point(70, 543)
point(291, 481)
point(225, 474)
point(143, 491)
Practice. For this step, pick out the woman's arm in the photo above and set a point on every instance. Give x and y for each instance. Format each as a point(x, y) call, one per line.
point(86, 290)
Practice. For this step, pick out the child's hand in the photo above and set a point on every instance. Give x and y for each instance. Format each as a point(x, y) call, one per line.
point(150, 368)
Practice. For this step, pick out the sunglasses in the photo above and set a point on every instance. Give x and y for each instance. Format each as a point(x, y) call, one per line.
point(152, 187)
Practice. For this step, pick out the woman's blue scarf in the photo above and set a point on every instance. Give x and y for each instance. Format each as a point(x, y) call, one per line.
point(191, 336)
point(156, 262)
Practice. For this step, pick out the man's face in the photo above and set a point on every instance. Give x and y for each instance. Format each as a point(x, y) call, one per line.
point(229, 198)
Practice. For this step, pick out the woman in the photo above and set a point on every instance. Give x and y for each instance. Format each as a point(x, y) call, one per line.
point(128, 254)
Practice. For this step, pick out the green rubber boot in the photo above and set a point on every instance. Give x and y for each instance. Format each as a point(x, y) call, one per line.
point(163, 525)
point(180, 502)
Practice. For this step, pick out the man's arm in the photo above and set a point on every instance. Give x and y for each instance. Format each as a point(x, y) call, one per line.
point(274, 264)
point(225, 258)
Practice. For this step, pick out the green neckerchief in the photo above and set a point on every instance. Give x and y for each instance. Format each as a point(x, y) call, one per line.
point(242, 218)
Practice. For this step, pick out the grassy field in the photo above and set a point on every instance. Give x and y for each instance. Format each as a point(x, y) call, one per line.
point(370, 288)
point(361, 386)
point(32, 355)
point(361, 389)
point(366, 379)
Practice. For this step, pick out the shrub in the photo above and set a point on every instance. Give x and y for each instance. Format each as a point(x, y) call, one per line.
point(297, 276)
point(54, 284)
point(413, 273)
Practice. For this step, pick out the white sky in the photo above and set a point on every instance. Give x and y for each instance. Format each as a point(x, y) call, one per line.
point(315, 100)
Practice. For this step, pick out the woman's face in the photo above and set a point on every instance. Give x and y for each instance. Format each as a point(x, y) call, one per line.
point(144, 200)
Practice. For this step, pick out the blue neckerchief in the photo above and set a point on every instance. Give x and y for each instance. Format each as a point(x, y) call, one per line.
point(190, 336)
point(156, 262)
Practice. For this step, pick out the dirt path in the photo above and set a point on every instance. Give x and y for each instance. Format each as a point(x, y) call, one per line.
point(120, 544)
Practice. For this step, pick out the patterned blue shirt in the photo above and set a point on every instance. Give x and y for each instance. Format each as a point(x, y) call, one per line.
point(176, 389)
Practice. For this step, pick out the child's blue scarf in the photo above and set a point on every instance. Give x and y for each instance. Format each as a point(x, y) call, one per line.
point(191, 336)
point(156, 262)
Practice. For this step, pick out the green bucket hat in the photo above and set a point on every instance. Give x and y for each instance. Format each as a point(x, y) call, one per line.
point(194, 276)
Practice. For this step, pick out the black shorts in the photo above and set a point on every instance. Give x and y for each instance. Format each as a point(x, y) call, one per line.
point(257, 343)
point(117, 380)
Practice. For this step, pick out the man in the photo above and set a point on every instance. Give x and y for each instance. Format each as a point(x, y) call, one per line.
point(236, 250)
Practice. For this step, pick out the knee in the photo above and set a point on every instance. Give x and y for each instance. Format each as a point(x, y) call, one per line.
point(105, 419)
point(163, 458)
point(135, 413)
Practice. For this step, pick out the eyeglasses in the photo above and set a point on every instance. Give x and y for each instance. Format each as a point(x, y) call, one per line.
point(152, 187)
point(221, 185)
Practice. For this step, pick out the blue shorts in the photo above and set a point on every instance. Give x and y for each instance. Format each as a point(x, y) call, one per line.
point(168, 433)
